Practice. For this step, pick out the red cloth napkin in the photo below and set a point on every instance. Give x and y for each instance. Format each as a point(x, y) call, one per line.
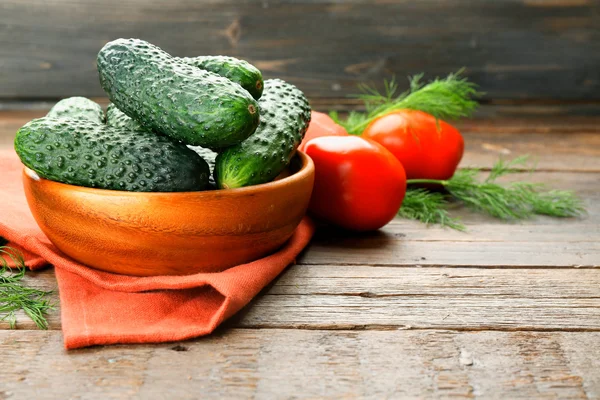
point(102, 308)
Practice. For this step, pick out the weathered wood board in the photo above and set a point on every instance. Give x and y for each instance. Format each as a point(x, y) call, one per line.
point(274, 363)
point(364, 296)
point(514, 49)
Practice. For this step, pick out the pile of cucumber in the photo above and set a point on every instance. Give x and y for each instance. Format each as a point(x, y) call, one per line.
point(175, 124)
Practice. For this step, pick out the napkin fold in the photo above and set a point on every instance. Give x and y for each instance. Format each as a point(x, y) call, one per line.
point(99, 308)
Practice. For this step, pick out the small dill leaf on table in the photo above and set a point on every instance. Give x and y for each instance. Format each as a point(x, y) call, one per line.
point(15, 296)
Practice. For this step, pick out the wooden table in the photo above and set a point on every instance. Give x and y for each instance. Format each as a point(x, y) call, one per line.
point(502, 311)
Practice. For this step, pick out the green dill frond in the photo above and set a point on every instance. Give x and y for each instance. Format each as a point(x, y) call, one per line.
point(447, 99)
point(353, 120)
point(508, 203)
point(554, 203)
point(372, 98)
point(429, 208)
point(415, 81)
point(15, 296)
point(512, 201)
point(501, 167)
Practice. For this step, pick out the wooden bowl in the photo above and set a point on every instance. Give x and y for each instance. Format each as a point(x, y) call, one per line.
point(178, 233)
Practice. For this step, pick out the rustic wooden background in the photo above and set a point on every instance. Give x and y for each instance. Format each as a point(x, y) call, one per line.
point(502, 311)
point(525, 50)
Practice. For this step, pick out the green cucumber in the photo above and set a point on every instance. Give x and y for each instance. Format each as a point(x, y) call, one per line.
point(209, 156)
point(86, 153)
point(165, 95)
point(78, 108)
point(239, 71)
point(117, 119)
point(285, 114)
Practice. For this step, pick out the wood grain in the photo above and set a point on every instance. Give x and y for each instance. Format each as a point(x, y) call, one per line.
point(253, 363)
point(337, 297)
point(363, 297)
point(515, 49)
point(549, 152)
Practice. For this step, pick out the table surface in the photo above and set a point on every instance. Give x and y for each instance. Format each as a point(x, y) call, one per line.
point(505, 310)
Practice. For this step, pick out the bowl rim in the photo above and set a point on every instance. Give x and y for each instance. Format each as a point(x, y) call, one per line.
point(306, 169)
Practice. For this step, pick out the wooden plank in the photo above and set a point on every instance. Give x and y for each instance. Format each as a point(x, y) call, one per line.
point(549, 152)
point(362, 281)
point(309, 364)
point(513, 48)
point(565, 144)
point(366, 297)
point(361, 297)
point(394, 250)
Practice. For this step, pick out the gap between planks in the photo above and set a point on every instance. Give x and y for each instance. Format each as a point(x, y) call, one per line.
point(383, 327)
point(492, 267)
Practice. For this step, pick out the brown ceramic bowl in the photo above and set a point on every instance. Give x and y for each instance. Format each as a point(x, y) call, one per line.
point(179, 233)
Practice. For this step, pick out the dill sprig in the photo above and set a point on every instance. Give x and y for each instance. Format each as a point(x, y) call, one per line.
point(429, 208)
point(14, 296)
point(512, 201)
point(449, 98)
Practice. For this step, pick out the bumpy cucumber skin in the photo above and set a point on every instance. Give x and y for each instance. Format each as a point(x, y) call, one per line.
point(285, 115)
point(78, 108)
point(239, 71)
point(117, 119)
point(165, 95)
point(209, 156)
point(86, 153)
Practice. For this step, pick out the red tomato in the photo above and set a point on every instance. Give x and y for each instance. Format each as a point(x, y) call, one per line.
point(359, 185)
point(321, 125)
point(425, 149)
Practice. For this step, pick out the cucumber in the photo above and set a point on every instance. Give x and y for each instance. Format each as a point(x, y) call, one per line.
point(209, 156)
point(86, 153)
point(117, 119)
point(165, 95)
point(239, 71)
point(285, 114)
point(78, 108)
